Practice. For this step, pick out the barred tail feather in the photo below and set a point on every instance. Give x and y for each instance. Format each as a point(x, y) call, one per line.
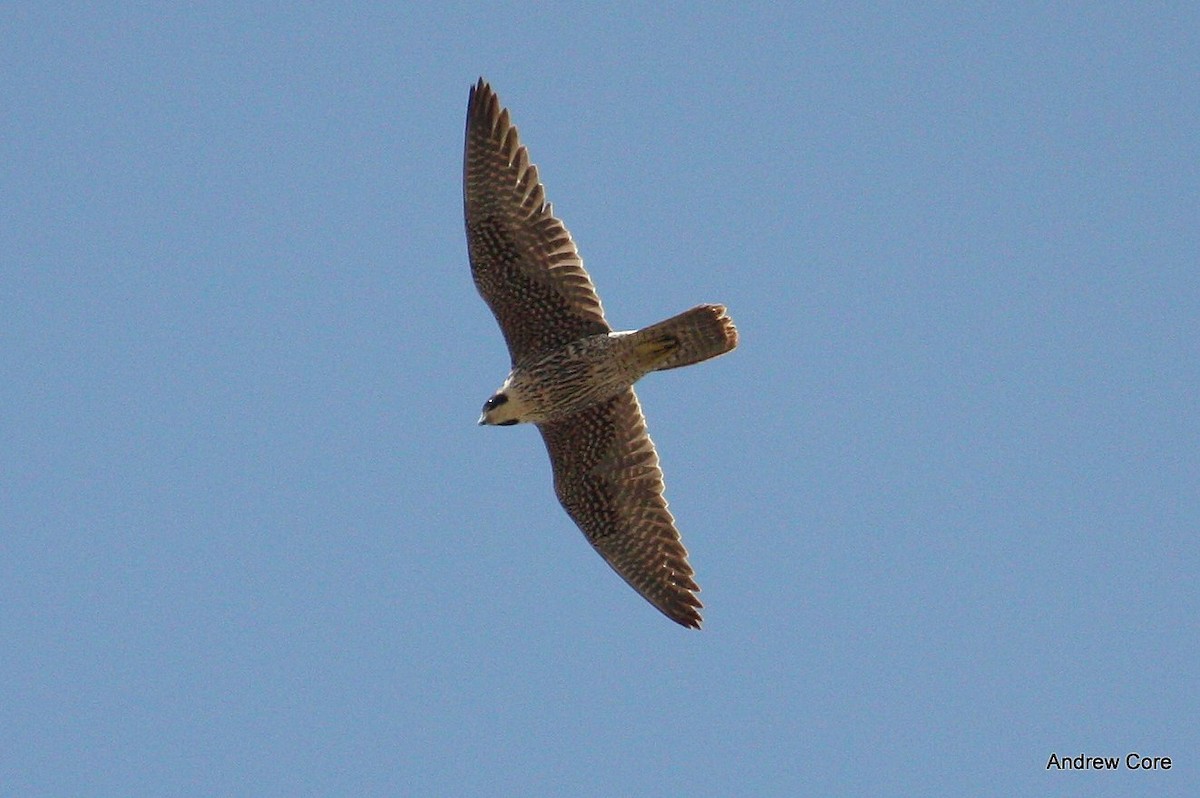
point(692, 336)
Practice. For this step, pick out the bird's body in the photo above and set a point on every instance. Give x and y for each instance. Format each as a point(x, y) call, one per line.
point(585, 372)
point(572, 375)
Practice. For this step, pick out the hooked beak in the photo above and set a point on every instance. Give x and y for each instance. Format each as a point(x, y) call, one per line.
point(481, 420)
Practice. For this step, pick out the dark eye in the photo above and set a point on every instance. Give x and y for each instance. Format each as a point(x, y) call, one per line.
point(495, 401)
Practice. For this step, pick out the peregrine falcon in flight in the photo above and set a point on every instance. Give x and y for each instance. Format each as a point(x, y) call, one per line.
point(572, 375)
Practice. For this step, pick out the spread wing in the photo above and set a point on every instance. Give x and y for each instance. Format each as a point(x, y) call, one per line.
point(606, 475)
point(522, 258)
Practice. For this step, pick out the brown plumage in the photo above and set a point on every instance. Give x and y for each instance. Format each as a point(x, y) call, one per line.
point(572, 375)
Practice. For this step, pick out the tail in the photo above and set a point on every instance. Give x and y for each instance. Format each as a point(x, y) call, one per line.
point(692, 336)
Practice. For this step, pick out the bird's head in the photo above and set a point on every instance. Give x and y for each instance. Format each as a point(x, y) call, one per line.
point(501, 410)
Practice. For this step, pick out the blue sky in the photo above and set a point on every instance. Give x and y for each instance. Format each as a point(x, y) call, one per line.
point(942, 501)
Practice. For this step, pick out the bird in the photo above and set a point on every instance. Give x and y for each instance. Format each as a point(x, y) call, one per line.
point(572, 374)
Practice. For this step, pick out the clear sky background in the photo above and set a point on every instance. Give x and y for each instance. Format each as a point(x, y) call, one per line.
point(942, 501)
